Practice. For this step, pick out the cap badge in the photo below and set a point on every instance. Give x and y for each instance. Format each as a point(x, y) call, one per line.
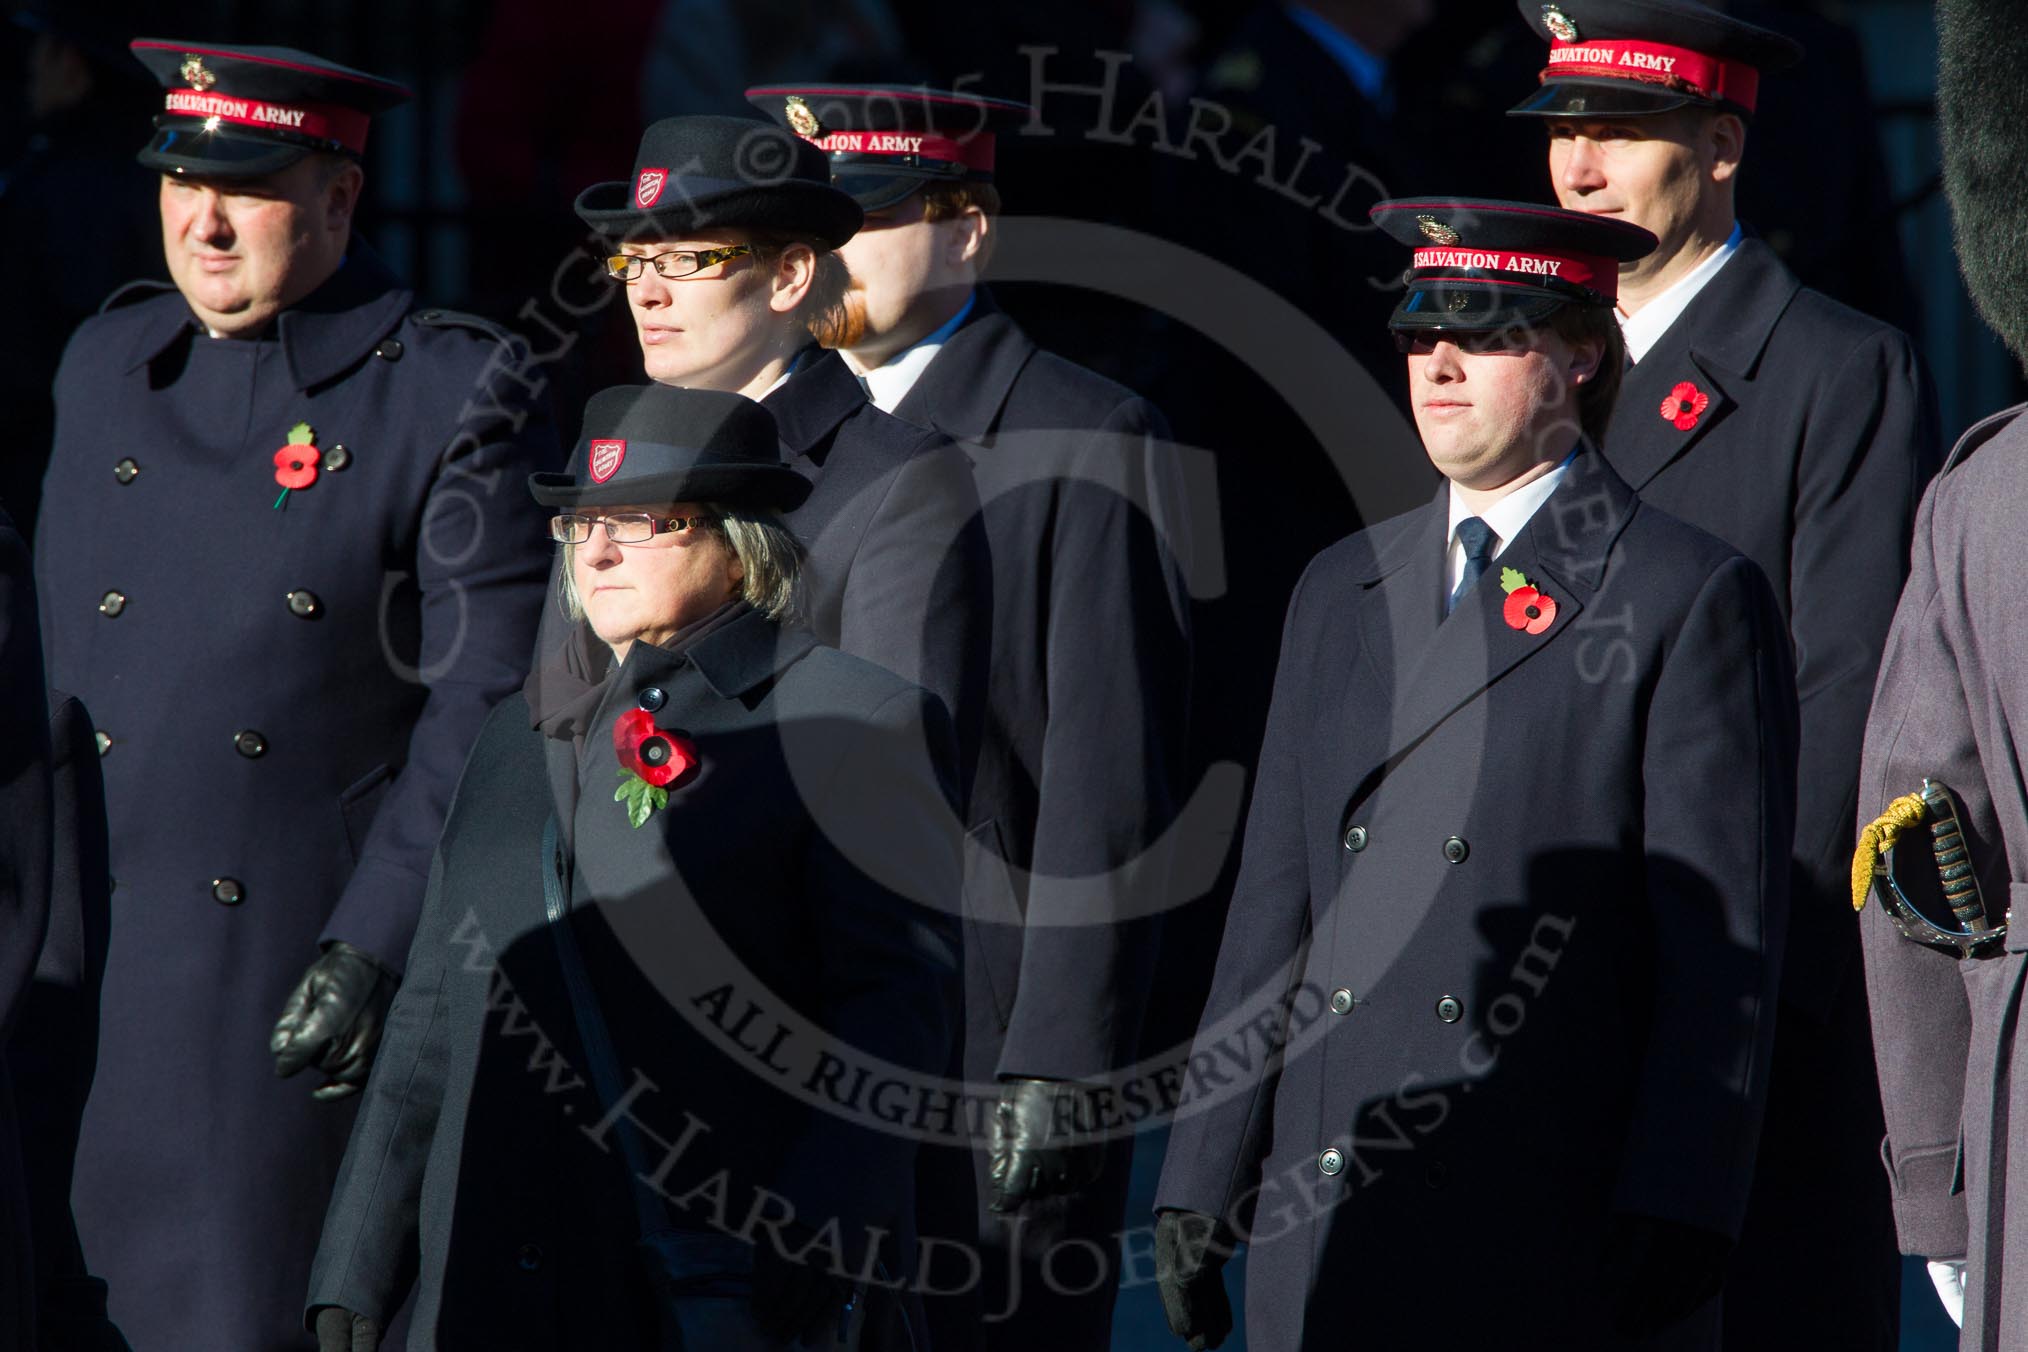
point(606, 458)
point(1436, 230)
point(195, 75)
point(802, 121)
point(648, 187)
point(1558, 23)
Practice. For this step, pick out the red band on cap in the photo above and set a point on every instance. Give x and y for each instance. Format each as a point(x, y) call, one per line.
point(321, 121)
point(1656, 63)
point(975, 152)
point(1600, 273)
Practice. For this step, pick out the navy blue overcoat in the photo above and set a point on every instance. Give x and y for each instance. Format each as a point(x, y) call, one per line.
point(285, 693)
point(1501, 959)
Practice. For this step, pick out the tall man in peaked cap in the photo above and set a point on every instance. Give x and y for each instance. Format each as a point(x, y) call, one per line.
point(1801, 432)
point(1080, 768)
point(724, 238)
point(1951, 708)
point(285, 562)
point(1485, 1054)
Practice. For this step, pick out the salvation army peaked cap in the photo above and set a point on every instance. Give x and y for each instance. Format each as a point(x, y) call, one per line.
point(693, 174)
point(1481, 264)
point(1623, 58)
point(660, 443)
point(239, 112)
point(888, 141)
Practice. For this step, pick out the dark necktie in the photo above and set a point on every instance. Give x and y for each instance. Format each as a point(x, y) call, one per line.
point(1477, 538)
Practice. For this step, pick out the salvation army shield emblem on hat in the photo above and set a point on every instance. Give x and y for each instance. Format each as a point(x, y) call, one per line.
point(606, 458)
point(648, 188)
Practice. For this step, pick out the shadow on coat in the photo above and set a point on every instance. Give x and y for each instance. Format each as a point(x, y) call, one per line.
point(1479, 1201)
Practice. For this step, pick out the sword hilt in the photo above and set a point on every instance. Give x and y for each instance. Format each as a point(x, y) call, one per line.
point(1954, 859)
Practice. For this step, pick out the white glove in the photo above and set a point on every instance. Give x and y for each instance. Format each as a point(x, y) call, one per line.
point(1949, 1279)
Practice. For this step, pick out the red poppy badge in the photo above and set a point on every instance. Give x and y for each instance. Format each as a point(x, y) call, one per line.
point(1685, 405)
point(296, 463)
point(650, 761)
point(1528, 609)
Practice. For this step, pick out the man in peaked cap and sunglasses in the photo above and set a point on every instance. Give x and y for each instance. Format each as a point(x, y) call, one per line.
point(1507, 984)
point(285, 562)
point(1080, 772)
point(1802, 433)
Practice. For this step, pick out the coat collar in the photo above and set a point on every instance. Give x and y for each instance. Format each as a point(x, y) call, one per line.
point(1714, 345)
point(967, 384)
point(1426, 666)
point(324, 334)
point(810, 405)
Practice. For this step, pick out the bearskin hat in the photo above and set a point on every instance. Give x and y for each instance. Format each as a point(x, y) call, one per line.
point(1982, 105)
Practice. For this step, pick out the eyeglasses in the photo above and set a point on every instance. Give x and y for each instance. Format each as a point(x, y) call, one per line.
point(673, 264)
point(1422, 342)
point(622, 528)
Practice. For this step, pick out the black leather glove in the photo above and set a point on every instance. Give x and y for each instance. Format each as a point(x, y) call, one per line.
point(1657, 1272)
point(340, 1330)
point(1190, 1254)
point(1040, 1145)
point(792, 1300)
point(333, 1020)
point(71, 1317)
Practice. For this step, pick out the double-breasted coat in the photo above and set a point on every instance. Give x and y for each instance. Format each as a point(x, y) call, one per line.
point(897, 570)
point(762, 917)
point(1809, 457)
point(1500, 961)
point(1951, 706)
point(1080, 769)
point(286, 688)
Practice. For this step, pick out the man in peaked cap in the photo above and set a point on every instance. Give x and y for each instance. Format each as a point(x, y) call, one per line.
point(1801, 432)
point(724, 240)
point(286, 564)
point(1492, 1009)
point(1950, 709)
point(1080, 770)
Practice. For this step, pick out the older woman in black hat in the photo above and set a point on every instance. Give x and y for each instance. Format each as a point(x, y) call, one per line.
point(692, 890)
point(723, 239)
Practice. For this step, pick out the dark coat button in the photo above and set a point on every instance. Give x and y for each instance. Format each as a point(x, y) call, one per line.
point(1342, 1001)
point(529, 1256)
point(305, 604)
point(227, 891)
point(653, 698)
point(1331, 1161)
point(336, 458)
point(1455, 849)
point(1355, 838)
point(250, 744)
point(112, 603)
point(104, 739)
point(127, 471)
point(1449, 1010)
point(390, 349)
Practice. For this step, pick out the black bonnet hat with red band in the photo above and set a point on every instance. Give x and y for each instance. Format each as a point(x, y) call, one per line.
point(1480, 264)
point(696, 174)
point(240, 112)
point(1624, 58)
point(648, 444)
point(885, 142)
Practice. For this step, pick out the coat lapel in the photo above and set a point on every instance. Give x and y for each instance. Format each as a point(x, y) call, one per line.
point(811, 404)
point(1431, 667)
point(966, 385)
point(1714, 347)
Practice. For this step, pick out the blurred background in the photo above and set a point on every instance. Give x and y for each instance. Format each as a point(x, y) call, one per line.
point(1244, 132)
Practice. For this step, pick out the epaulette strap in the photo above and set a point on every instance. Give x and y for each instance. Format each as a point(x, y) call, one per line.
point(134, 292)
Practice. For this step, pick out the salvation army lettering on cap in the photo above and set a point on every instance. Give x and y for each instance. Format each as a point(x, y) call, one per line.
point(248, 111)
point(1610, 58)
point(886, 142)
point(975, 153)
point(1481, 264)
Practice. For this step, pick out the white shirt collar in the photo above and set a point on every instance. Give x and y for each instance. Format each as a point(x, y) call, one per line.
point(889, 383)
point(1506, 518)
point(1645, 327)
